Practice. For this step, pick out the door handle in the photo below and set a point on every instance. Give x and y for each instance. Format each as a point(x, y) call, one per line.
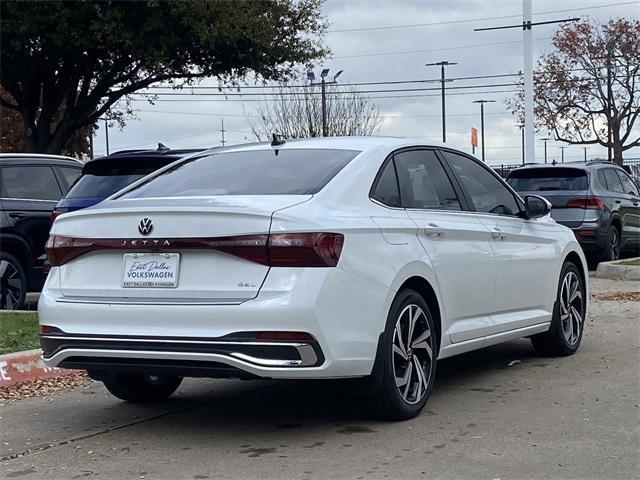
point(432, 231)
point(497, 234)
point(618, 201)
point(17, 215)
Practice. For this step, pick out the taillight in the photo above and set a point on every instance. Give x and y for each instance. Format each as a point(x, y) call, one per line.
point(275, 250)
point(589, 202)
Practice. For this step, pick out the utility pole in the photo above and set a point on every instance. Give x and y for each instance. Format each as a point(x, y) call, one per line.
point(442, 64)
point(562, 149)
point(323, 83)
point(585, 153)
point(482, 102)
point(222, 130)
point(545, 140)
point(106, 133)
point(527, 37)
point(521, 126)
point(609, 101)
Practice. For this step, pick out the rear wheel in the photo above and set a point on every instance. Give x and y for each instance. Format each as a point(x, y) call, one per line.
point(13, 283)
point(142, 388)
point(565, 334)
point(612, 249)
point(409, 359)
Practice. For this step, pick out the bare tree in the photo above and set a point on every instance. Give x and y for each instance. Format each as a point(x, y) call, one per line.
point(587, 91)
point(296, 112)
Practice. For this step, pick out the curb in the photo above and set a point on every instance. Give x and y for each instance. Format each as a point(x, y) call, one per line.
point(615, 271)
point(27, 366)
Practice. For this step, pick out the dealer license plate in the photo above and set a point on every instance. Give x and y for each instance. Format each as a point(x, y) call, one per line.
point(151, 270)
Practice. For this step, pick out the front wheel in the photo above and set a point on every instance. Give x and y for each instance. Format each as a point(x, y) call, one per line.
point(13, 283)
point(142, 388)
point(611, 250)
point(567, 325)
point(409, 359)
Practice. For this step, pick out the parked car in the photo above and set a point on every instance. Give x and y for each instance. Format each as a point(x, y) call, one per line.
point(354, 257)
point(597, 200)
point(104, 176)
point(30, 186)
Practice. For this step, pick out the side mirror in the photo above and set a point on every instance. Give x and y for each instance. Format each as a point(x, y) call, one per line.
point(536, 206)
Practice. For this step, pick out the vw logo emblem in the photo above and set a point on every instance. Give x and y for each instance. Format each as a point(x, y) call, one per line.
point(145, 227)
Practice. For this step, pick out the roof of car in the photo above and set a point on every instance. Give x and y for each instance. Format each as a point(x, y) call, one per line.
point(589, 165)
point(162, 156)
point(31, 158)
point(360, 143)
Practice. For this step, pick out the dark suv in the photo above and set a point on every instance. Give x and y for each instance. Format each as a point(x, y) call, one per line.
point(597, 200)
point(30, 186)
point(104, 176)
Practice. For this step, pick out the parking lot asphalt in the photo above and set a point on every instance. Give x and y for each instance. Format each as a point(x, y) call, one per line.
point(502, 412)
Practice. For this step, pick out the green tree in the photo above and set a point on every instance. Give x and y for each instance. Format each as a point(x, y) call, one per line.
point(88, 56)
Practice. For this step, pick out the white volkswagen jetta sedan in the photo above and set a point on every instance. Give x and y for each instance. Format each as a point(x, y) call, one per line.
point(322, 258)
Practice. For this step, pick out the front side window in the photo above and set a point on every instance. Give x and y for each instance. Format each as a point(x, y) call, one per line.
point(613, 181)
point(487, 193)
point(386, 189)
point(423, 182)
point(30, 183)
point(627, 185)
point(256, 172)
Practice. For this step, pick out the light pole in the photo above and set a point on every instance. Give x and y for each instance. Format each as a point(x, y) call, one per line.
point(106, 134)
point(545, 140)
point(482, 102)
point(521, 126)
point(442, 64)
point(585, 153)
point(323, 83)
point(562, 149)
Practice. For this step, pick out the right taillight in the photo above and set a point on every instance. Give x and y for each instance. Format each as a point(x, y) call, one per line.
point(305, 249)
point(587, 202)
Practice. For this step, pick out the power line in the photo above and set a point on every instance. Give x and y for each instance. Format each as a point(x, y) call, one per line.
point(471, 20)
point(202, 114)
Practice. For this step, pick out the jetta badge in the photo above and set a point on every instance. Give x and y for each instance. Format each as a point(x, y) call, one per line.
point(145, 227)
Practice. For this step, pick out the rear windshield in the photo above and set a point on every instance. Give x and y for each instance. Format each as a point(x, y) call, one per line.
point(257, 172)
point(548, 179)
point(105, 182)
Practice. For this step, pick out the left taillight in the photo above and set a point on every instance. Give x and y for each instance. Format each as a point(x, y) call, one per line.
point(60, 250)
point(55, 214)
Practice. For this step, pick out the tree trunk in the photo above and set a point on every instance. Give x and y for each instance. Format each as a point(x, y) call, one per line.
point(617, 144)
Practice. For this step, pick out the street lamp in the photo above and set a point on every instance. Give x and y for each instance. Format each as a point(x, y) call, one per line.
point(562, 149)
point(323, 83)
point(545, 140)
point(521, 126)
point(482, 102)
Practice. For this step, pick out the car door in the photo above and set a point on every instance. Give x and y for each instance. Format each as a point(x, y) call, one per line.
point(456, 243)
point(629, 211)
point(525, 251)
point(29, 193)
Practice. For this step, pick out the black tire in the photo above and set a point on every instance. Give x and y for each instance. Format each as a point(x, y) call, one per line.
point(611, 250)
point(13, 283)
point(142, 389)
point(388, 402)
point(555, 342)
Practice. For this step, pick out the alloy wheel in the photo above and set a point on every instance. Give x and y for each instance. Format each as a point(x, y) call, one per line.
point(412, 356)
point(10, 286)
point(614, 244)
point(571, 308)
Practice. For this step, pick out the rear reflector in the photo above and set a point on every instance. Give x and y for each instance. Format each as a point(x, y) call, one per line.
point(45, 329)
point(275, 250)
point(589, 202)
point(284, 336)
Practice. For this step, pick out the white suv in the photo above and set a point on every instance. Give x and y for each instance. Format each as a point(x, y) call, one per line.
point(323, 258)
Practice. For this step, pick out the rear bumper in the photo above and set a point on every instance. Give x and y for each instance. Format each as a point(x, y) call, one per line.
point(343, 312)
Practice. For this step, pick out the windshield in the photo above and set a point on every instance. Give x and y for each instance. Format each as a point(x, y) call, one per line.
point(256, 172)
point(548, 179)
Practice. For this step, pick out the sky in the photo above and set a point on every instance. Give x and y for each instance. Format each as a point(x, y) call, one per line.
point(398, 52)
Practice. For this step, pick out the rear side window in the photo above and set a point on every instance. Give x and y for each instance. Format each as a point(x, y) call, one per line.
point(613, 181)
point(548, 179)
point(628, 186)
point(386, 189)
point(423, 182)
point(70, 174)
point(29, 183)
point(256, 172)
